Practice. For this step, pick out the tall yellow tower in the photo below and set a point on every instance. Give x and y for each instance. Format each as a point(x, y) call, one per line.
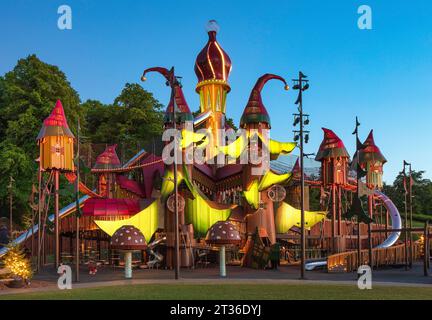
point(56, 142)
point(212, 67)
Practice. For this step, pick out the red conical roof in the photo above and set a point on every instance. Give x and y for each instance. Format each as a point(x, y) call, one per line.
point(255, 110)
point(55, 124)
point(180, 100)
point(212, 63)
point(371, 152)
point(296, 169)
point(331, 146)
point(108, 159)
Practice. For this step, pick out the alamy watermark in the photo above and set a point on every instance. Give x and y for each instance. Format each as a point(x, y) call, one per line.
point(186, 146)
point(65, 279)
point(64, 21)
point(364, 22)
point(365, 277)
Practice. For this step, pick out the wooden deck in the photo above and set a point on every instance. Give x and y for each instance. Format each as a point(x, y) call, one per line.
point(347, 261)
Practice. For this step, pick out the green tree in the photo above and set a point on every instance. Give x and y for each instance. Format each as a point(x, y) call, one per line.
point(134, 119)
point(27, 95)
point(421, 190)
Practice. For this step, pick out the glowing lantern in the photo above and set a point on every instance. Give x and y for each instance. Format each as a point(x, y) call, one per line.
point(56, 142)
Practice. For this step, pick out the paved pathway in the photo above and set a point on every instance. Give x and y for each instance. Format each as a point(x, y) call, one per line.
point(107, 276)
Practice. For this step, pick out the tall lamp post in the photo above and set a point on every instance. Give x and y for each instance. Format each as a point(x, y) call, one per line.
point(173, 82)
point(359, 175)
point(301, 119)
point(408, 195)
point(78, 213)
point(10, 187)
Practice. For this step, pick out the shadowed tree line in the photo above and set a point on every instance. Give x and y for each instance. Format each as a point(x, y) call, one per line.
point(422, 195)
point(28, 94)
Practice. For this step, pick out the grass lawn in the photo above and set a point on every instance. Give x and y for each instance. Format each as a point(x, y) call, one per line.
point(232, 291)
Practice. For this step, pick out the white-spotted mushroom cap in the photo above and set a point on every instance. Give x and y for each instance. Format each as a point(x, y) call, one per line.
point(128, 238)
point(223, 232)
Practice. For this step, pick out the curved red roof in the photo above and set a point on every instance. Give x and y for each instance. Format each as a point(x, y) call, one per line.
point(57, 116)
point(108, 159)
point(131, 185)
point(212, 63)
point(255, 111)
point(56, 123)
point(111, 207)
point(331, 146)
point(371, 152)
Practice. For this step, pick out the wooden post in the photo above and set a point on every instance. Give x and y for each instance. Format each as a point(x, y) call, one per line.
point(10, 209)
point(56, 219)
point(426, 250)
point(411, 250)
point(39, 234)
point(333, 218)
point(77, 208)
point(60, 248)
point(339, 210)
point(405, 230)
point(358, 244)
point(98, 246)
point(370, 203)
point(386, 221)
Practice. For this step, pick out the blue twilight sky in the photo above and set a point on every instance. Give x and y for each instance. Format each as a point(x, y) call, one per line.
point(382, 75)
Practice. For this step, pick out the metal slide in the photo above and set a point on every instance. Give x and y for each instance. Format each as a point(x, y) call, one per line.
point(396, 223)
point(70, 208)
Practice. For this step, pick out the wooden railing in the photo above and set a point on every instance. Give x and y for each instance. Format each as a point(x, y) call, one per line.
point(347, 261)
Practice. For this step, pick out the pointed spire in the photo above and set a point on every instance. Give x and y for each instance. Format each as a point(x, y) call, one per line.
point(371, 152)
point(331, 146)
point(255, 111)
point(296, 172)
point(180, 101)
point(212, 63)
point(55, 124)
point(108, 159)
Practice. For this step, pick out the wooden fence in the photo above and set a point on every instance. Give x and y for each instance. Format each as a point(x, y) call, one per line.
point(347, 261)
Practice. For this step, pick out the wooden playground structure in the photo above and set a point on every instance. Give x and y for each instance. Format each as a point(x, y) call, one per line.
point(175, 207)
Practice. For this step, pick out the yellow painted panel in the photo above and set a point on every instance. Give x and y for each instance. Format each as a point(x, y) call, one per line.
point(56, 152)
point(270, 178)
point(146, 221)
point(252, 194)
point(288, 217)
point(234, 149)
point(168, 182)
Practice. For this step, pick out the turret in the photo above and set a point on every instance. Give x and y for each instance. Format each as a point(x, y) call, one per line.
point(334, 159)
point(372, 161)
point(56, 142)
point(106, 162)
point(255, 114)
point(212, 68)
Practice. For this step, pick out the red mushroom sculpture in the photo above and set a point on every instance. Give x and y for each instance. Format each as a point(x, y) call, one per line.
point(128, 239)
point(223, 233)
